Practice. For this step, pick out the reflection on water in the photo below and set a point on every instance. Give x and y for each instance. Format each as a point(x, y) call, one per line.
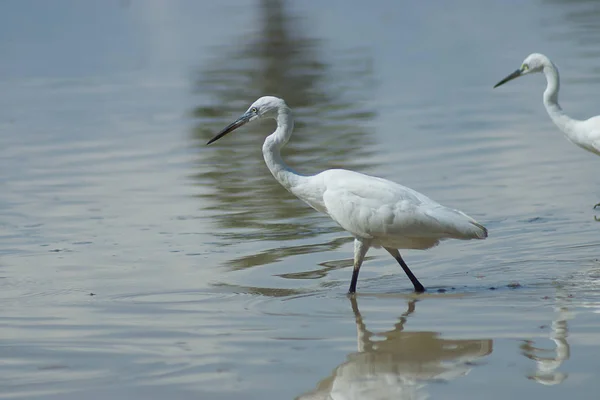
point(549, 360)
point(330, 129)
point(272, 255)
point(397, 364)
point(576, 25)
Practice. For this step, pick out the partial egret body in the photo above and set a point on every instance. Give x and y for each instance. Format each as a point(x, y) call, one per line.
point(377, 212)
point(585, 134)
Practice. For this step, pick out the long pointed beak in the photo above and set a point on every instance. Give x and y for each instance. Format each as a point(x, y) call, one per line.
point(512, 76)
point(244, 119)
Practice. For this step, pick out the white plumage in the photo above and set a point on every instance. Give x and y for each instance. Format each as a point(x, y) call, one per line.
point(390, 214)
point(377, 212)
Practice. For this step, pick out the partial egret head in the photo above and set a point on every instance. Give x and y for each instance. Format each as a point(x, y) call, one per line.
point(265, 107)
point(533, 63)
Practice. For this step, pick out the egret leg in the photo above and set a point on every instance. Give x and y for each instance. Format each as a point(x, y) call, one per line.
point(596, 206)
point(360, 250)
point(396, 254)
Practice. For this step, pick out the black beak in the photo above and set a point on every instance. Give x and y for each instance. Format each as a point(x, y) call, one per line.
point(231, 127)
point(512, 76)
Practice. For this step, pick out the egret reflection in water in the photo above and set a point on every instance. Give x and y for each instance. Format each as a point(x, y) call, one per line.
point(398, 364)
point(547, 361)
point(331, 112)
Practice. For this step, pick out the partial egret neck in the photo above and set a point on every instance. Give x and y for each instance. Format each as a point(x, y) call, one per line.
point(556, 113)
point(286, 176)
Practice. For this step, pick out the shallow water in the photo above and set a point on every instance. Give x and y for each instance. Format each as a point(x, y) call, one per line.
point(135, 262)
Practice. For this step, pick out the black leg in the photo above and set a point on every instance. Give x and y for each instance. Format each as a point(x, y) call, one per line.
point(354, 280)
point(596, 206)
point(418, 287)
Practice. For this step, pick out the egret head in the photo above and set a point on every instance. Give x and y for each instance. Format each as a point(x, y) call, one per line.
point(265, 107)
point(533, 63)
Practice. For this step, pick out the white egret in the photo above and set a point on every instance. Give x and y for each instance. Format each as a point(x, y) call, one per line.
point(377, 212)
point(586, 133)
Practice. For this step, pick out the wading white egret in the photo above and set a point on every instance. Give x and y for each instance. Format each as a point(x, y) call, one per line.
point(377, 212)
point(586, 133)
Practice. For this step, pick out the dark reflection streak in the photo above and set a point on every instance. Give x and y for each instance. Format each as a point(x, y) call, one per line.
point(330, 113)
point(277, 254)
point(583, 33)
point(326, 268)
point(399, 364)
point(261, 291)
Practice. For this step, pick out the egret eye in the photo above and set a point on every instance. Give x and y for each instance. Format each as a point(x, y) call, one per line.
point(524, 67)
point(254, 110)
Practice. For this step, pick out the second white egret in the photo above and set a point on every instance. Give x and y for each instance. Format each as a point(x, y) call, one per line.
point(377, 212)
point(583, 133)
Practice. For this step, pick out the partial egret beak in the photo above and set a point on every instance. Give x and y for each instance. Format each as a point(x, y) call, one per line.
point(244, 119)
point(512, 76)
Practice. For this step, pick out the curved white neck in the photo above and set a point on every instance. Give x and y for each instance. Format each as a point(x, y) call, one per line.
point(560, 119)
point(286, 176)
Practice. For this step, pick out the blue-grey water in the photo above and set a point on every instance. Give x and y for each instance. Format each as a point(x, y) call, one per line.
point(137, 263)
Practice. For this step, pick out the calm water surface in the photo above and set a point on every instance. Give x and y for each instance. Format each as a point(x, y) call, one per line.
point(137, 263)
